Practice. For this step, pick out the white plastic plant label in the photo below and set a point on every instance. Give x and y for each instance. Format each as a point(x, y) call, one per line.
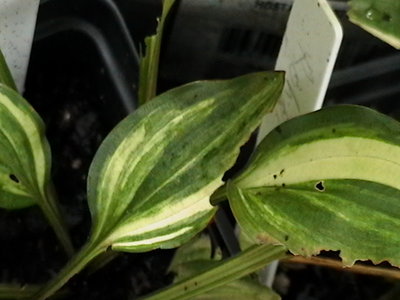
point(308, 53)
point(17, 24)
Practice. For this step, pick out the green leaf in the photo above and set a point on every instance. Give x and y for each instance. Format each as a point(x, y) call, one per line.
point(149, 64)
point(195, 257)
point(233, 268)
point(328, 180)
point(151, 180)
point(379, 17)
point(25, 154)
point(25, 161)
point(5, 74)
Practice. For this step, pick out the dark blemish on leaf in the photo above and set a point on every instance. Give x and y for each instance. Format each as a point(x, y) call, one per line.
point(195, 283)
point(319, 186)
point(281, 172)
point(387, 17)
point(278, 129)
point(275, 176)
point(333, 130)
point(14, 178)
point(258, 194)
point(195, 96)
point(318, 4)
point(283, 185)
point(185, 288)
point(286, 237)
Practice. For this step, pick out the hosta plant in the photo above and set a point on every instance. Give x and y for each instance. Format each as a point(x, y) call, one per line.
point(323, 181)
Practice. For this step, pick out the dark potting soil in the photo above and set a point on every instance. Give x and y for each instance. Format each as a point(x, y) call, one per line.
point(65, 84)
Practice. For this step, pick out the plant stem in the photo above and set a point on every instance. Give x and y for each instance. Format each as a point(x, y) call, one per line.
point(75, 265)
point(150, 63)
point(16, 291)
point(51, 210)
point(233, 268)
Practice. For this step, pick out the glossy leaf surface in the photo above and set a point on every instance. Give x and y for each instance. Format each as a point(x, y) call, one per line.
point(328, 180)
point(379, 17)
point(150, 181)
point(24, 155)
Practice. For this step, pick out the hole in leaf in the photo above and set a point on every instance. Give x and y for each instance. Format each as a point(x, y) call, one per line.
point(319, 186)
point(14, 178)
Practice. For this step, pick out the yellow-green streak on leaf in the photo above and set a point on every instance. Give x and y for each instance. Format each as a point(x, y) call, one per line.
point(25, 153)
point(325, 181)
point(379, 17)
point(150, 62)
point(150, 181)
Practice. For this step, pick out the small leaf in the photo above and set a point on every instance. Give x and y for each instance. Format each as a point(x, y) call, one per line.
point(150, 62)
point(150, 181)
point(379, 17)
point(328, 180)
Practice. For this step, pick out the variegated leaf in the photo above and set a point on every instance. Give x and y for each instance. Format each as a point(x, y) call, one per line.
point(328, 180)
point(379, 17)
point(25, 162)
point(150, 181)
point(25, 153)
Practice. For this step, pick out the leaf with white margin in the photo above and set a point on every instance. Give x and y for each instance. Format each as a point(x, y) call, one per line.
point(25, 153)
point(25, 161)
point(328, 180)
point(151, 180)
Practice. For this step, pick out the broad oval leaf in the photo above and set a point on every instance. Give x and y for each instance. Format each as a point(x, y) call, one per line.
point(24, 152)
point(379, 17)
point(328, 180)
point(150, 181)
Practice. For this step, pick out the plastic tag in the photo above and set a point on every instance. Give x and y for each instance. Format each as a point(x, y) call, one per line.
point(17, 24)
point(308, 53)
